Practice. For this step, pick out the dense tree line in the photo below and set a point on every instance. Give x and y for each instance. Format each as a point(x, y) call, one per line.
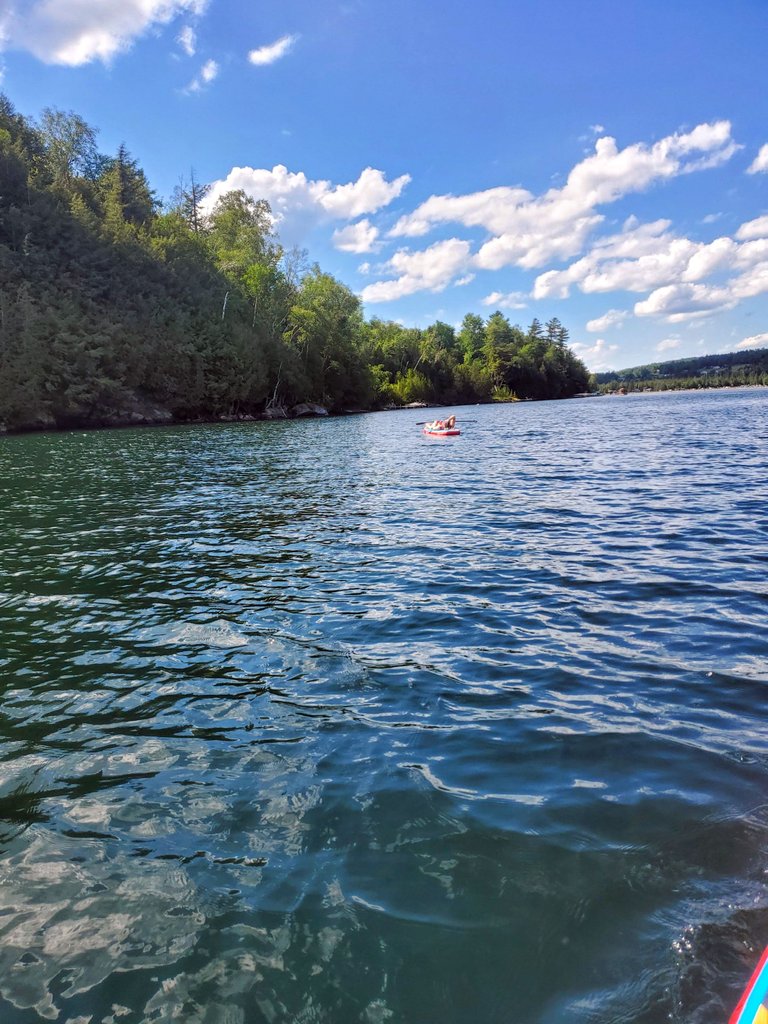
point(110, 300)
point(730, 369)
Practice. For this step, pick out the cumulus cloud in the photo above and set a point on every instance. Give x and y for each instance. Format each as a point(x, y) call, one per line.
point(360, 237)
point(678, 302)
point(506, 300)
point(756, 341)
point(673, 270)
point(757, 228)
point(431, 269)
point(75, 33)
point(668, 344)
point(627, 260)
point(528, 231)
point(596, 357)
point(682, 301)
point(273, 51)
point(612, 318)
point(760, 163)
point(208, 72)
point(299, 203)
point(369, 193)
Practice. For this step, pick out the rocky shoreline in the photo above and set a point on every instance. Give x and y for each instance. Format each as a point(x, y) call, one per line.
point(143, 412)
point(146, 413)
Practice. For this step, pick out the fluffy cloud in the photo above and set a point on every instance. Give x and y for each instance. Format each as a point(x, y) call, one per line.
point(684, 301)
point(299, 204)
point(637, 258)
point(610, 319)
point(432, 270)
point(679, 302)
point(360, 237)
point(74, 33)
point(598, 356)
point(508, 300)
point(274, 51)
point(757, 228)
point(369, 193)
point(760, 163)
point(529, 231)
point(649, 258)
point(756, 341)
point(668, 344)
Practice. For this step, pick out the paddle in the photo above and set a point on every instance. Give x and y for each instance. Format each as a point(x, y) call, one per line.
point(423, 423)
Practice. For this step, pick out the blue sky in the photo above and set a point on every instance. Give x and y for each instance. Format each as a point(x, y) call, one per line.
point(602, 161)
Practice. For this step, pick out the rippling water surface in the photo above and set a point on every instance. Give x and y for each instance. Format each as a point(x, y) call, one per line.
point(332, 722)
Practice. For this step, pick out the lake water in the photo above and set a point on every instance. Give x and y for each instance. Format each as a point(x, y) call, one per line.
point(328, 721)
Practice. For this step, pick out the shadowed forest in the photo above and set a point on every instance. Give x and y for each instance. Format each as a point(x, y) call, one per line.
point(117, 308)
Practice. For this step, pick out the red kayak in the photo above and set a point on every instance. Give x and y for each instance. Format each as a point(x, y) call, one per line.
point(753, 1005)
point(453, 432)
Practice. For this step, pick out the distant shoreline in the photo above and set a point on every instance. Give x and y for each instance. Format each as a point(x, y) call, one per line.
point(209, 421)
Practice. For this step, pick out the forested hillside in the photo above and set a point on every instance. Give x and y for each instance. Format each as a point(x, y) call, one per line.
point(117, 308)
point(733, 369)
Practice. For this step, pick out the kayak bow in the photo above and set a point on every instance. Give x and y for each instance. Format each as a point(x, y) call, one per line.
point(752, 1008)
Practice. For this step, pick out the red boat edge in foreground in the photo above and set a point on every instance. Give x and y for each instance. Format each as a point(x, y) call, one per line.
point(752, 1008)
point(442, 433)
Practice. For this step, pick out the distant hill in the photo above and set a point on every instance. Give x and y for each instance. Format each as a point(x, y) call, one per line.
point(729, 368)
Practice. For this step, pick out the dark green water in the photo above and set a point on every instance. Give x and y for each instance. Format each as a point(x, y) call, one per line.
point(328, 721)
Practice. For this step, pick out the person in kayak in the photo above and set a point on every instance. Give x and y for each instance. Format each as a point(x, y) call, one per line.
point(448, 424)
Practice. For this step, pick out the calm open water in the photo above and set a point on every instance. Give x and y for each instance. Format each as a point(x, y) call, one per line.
point(332, 722)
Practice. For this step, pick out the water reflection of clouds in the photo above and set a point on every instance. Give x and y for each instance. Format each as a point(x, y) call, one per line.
point(71, 915)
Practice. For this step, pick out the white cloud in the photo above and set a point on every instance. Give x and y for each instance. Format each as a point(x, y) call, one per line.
point(467, 279)
point(612, 318)
point(627, 260)
point(756, 341)
point(364, 268)
point(187, 40)
point(369, 193)
point(208, 72)
point(75, 33)
point(508, 300)
point(760, 163)
point(711, 218)
point(274, 51)
point(757, 228)
point(674, 270)
point(431, 269)
point(360, 237)
point(299, 203)
point(679, 302)
point(529, 231)
point(668, 344)
point(598, 356)
point(686, 301)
